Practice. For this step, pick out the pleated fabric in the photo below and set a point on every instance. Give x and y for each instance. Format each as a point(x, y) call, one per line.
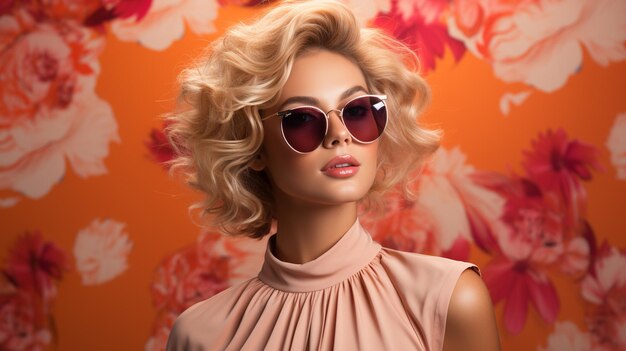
point(356, 296)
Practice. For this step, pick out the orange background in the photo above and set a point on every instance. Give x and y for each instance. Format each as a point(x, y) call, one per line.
point(140, 85)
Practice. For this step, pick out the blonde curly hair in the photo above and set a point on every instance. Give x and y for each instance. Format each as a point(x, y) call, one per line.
point(218, 132)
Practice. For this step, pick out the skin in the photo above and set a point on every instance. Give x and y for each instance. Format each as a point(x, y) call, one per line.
point(471, 323)
point(315, 210)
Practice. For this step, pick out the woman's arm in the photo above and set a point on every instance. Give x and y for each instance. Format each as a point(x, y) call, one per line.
point(471, 324)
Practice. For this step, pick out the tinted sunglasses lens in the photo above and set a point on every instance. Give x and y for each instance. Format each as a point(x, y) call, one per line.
point(365, 118)
point(304, 128)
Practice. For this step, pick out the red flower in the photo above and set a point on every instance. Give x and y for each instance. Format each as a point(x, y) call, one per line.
point(520, 284)
point(534, 239)
point(6, 6)
point(160, 148)
point(537, 230)
point(33, 264)
point(55, 10)
point(113, 9)
point(427, 38)
point(21, 328)
point(558, 164)
point(132, 8)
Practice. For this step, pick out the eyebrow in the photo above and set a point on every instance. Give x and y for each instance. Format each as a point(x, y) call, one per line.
point(308, 100)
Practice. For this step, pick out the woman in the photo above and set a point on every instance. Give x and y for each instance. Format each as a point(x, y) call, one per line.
point(298, 118)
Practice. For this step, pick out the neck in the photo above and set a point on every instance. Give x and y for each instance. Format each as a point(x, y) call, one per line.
point(306, 231)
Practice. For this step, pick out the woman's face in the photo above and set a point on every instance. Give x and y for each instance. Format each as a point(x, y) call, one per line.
point(325, 80)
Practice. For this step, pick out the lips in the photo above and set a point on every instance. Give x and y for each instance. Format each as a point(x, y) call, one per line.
point(344, 166)
point(341, 162)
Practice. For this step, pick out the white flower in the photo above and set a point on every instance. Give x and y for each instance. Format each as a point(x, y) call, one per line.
point(616, 143)
point(610, 275)
point(567, 336)
point(101, 251)
point(449, 196)
point(540, 42)
point(365, 10)
point(165, 22)
point(50, 112)
point(509, 99)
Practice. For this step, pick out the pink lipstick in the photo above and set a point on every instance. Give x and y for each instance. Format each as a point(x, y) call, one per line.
point(343, 166)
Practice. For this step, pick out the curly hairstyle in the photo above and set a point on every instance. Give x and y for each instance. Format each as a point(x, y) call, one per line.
point(217, 132)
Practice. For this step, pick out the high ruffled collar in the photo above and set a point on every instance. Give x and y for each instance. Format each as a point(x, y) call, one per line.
point(351, 253)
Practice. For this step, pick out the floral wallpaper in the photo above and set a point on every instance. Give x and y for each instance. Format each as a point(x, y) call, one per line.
point(98, 251)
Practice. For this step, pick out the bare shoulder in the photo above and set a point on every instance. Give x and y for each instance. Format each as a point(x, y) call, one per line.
point(471, 324)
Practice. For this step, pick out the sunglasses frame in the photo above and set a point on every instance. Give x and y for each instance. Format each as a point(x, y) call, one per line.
point(284, 113)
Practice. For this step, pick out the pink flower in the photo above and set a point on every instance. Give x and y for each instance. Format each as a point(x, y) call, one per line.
point(520, 284)
point(20, 328)
point(188, 277)
point(450, 206)
point(616, 143)
point(606, 285)
point(420, 31)
point(245, 255)
point(558, 164)
point(605, 288)
point(101, 251)
point(536, 225)
point(33, 264)
point(537, 232)
point(539, 227)
point(576, 257)
point(535, 238)
point(165, 22)
point(539, 42)
point(404, 230)
point(48, 107)
point(198, 272)
point(567, 336)
point(457, 204)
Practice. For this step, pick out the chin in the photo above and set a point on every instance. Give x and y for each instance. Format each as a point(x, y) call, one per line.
point(344, 196)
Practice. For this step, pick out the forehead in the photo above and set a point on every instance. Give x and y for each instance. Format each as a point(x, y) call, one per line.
point(322, 74)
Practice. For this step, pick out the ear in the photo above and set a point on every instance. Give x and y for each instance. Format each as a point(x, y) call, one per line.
point(258, 163)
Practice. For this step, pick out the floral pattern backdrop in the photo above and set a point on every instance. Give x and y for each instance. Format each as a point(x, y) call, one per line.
point(99, 252)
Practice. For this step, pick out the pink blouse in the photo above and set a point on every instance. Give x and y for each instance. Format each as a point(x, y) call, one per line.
point(356, 296)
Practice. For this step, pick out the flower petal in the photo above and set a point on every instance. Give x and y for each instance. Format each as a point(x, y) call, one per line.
point(543, 296)
point(516, 306)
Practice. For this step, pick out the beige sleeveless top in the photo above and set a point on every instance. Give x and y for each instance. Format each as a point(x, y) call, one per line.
point(356, 296)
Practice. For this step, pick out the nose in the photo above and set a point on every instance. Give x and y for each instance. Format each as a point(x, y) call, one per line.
point(337, 132)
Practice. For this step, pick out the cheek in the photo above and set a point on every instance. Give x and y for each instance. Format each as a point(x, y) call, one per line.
point(275, 150)
point(371, 155)
point(282, 163)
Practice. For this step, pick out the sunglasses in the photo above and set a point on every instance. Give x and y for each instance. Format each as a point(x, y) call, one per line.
point(305, 127)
